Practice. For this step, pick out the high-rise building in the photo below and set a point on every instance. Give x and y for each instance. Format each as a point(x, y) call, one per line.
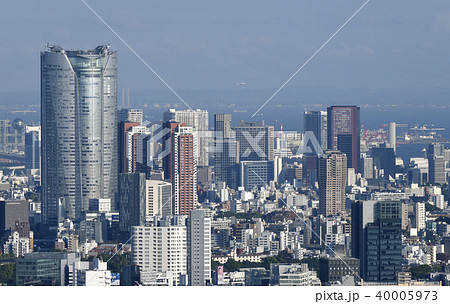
point(255, 141)
point(420, 217)
point(199, 248)
point(344, 132)
point(367, 167)
point(184, 170)
point(158, 198)
point(130, 115)
point(384, 158)
point(131, 146)
point(222, 125)
point(12, 135)
point(199, 120)
point(12, 212)
point(122, 131)
point(78, 115)
point(436, 163)
point(132, 200)
point(316, 122)
point(332, 173)
point(256, 174)
point(148, 149)
point(309, 170)
point(226, 151)
point(377, 239)
point(161, 247)
point(392, 136)
point(32, 147)
point(167, 138)
point(4, 130)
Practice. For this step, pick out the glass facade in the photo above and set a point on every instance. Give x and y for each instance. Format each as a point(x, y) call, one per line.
point(79, 111)
point(38, 272)
point(376, 239)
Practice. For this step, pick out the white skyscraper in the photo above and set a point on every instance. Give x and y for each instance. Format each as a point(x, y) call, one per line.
point(199, 248)
point(420, 216)
point(161, 248)
point(392, 135)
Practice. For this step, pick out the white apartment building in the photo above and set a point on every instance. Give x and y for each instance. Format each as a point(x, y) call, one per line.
point(158, 198)
point(420, 216)
point(199, 248)
point(160, 249)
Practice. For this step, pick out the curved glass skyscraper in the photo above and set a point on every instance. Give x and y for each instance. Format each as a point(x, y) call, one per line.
point(79, 147)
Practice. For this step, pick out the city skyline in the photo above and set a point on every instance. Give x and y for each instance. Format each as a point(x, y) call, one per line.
point(266, 169)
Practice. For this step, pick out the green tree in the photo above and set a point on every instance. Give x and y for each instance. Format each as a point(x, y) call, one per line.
point(8, 274)
point(115, 264)
point(420, 272)
point(231, 265)
point(8, 256)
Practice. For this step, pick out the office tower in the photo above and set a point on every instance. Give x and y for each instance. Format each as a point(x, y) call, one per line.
point(46, 269)
point(344, 132)
point(146, 150)
point(384, 158)
point(335, 269)
point(4, 127)
point(12, 136)
point(255, 141)
point(392, 136)
point(309, 170)
point(12, 212)
point(256, 174)
point(158, 198)
point(78, 114)
point(377, 239)
point(205, 176)
point(222, 125)
point(292, 172)
point(367, 167)
point(332, 173)
point(436, 163)
point(199, 248)
point(316, 122)
point(199, 120)
point(132, 200)
point(32, 147)
point(184, 170)
point(447, 158)
point(101, 205)
point(160, 248)
point(405, 216)
point(435, 149)
point(226, 151)
point(130, 115)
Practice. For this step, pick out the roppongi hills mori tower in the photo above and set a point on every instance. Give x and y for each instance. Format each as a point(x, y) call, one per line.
point(78, 116)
